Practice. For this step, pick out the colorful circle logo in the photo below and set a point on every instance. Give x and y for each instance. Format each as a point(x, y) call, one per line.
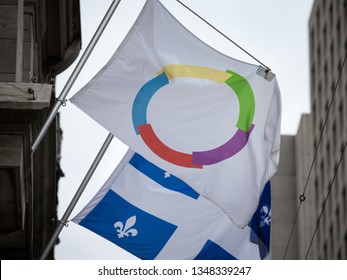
point(196, 159)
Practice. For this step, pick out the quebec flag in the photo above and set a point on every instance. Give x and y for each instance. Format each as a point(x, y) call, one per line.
point(211, 120)
point(154, 215)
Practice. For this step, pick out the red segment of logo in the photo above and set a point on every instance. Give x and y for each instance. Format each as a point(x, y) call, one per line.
point(163, 151)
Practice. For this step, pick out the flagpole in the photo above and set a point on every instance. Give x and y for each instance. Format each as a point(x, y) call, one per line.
point(63, 222)
point(62, 97)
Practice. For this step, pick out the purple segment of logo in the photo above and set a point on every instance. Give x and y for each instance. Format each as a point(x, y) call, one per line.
point(227, 150)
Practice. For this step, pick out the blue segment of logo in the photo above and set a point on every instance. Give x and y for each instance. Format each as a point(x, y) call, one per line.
point(212, 251)
point(261, 222)
point(158, 175)
point(143, 97)
point(129, 227)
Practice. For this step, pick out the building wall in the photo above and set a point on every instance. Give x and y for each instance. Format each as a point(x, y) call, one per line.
point(38, 39)
point(283, 193)
point(328, 48)
point(321, 138)
point(305, 192)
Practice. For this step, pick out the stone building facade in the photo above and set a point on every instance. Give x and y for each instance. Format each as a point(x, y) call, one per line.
point(38, 40)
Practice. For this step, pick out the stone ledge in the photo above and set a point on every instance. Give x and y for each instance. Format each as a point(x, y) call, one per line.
point(16, 96)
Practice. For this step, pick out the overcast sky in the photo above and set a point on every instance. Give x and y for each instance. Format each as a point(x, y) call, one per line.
point(276, 32)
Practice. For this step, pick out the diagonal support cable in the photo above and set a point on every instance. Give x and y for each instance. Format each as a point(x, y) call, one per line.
point(225, 36)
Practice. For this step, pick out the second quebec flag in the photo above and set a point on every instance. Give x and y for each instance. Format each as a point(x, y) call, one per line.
point(155, 215)
point(211, 120)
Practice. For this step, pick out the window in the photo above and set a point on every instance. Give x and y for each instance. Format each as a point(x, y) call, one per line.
point(344, 203)
point(337, 213)
point(319, 58)
point(341, 117)
point(316, 189)
point(325, 251)
point(312, 40)
point(331, 15)
point(8, 202)
point(338, 33)
point(332, 60)
point(339, 66)
point(322, 171)
point(326, 107)
point(343, 161)
point(320, 125)
point(314, 113)
point(332, 240)
point(339, 255)
point(328, 153)
point(325, 39)
point(334, 132)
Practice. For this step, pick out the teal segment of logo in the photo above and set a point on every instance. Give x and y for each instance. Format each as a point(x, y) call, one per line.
point(143, 97)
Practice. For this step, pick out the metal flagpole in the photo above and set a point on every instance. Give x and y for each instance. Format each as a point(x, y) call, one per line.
point(63, 222)
point(61, 99)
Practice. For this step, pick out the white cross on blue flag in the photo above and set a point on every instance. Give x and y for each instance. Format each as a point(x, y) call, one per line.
point(154, 215)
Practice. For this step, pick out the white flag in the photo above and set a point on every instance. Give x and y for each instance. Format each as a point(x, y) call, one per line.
point(154, 215)
point(211, 120)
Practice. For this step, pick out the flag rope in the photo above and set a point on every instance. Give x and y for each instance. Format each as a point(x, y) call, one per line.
point(64, 221)
point(302, 196)
point(268, 69)
point(61, 99)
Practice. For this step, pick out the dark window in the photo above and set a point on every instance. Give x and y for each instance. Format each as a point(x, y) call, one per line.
point(8, 202)
point(332, 240)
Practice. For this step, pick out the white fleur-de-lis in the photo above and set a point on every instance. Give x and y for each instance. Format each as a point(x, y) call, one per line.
point(265, 215)
point(126, 230)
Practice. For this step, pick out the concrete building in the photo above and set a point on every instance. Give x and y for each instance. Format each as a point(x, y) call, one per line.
point(328, 49)
point(324, 130)
point(38, 40)
point(283, 193)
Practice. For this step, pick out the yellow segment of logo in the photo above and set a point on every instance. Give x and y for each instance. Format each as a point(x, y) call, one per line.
point(192, 71)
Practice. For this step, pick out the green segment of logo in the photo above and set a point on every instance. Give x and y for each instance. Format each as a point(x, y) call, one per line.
point(245, 96)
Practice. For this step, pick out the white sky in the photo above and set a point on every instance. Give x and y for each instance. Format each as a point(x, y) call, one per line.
point(276, 32)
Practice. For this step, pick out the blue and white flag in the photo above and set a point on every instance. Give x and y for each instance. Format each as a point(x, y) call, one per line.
point(211, 120)
point(154, 215)
point(261, 222)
